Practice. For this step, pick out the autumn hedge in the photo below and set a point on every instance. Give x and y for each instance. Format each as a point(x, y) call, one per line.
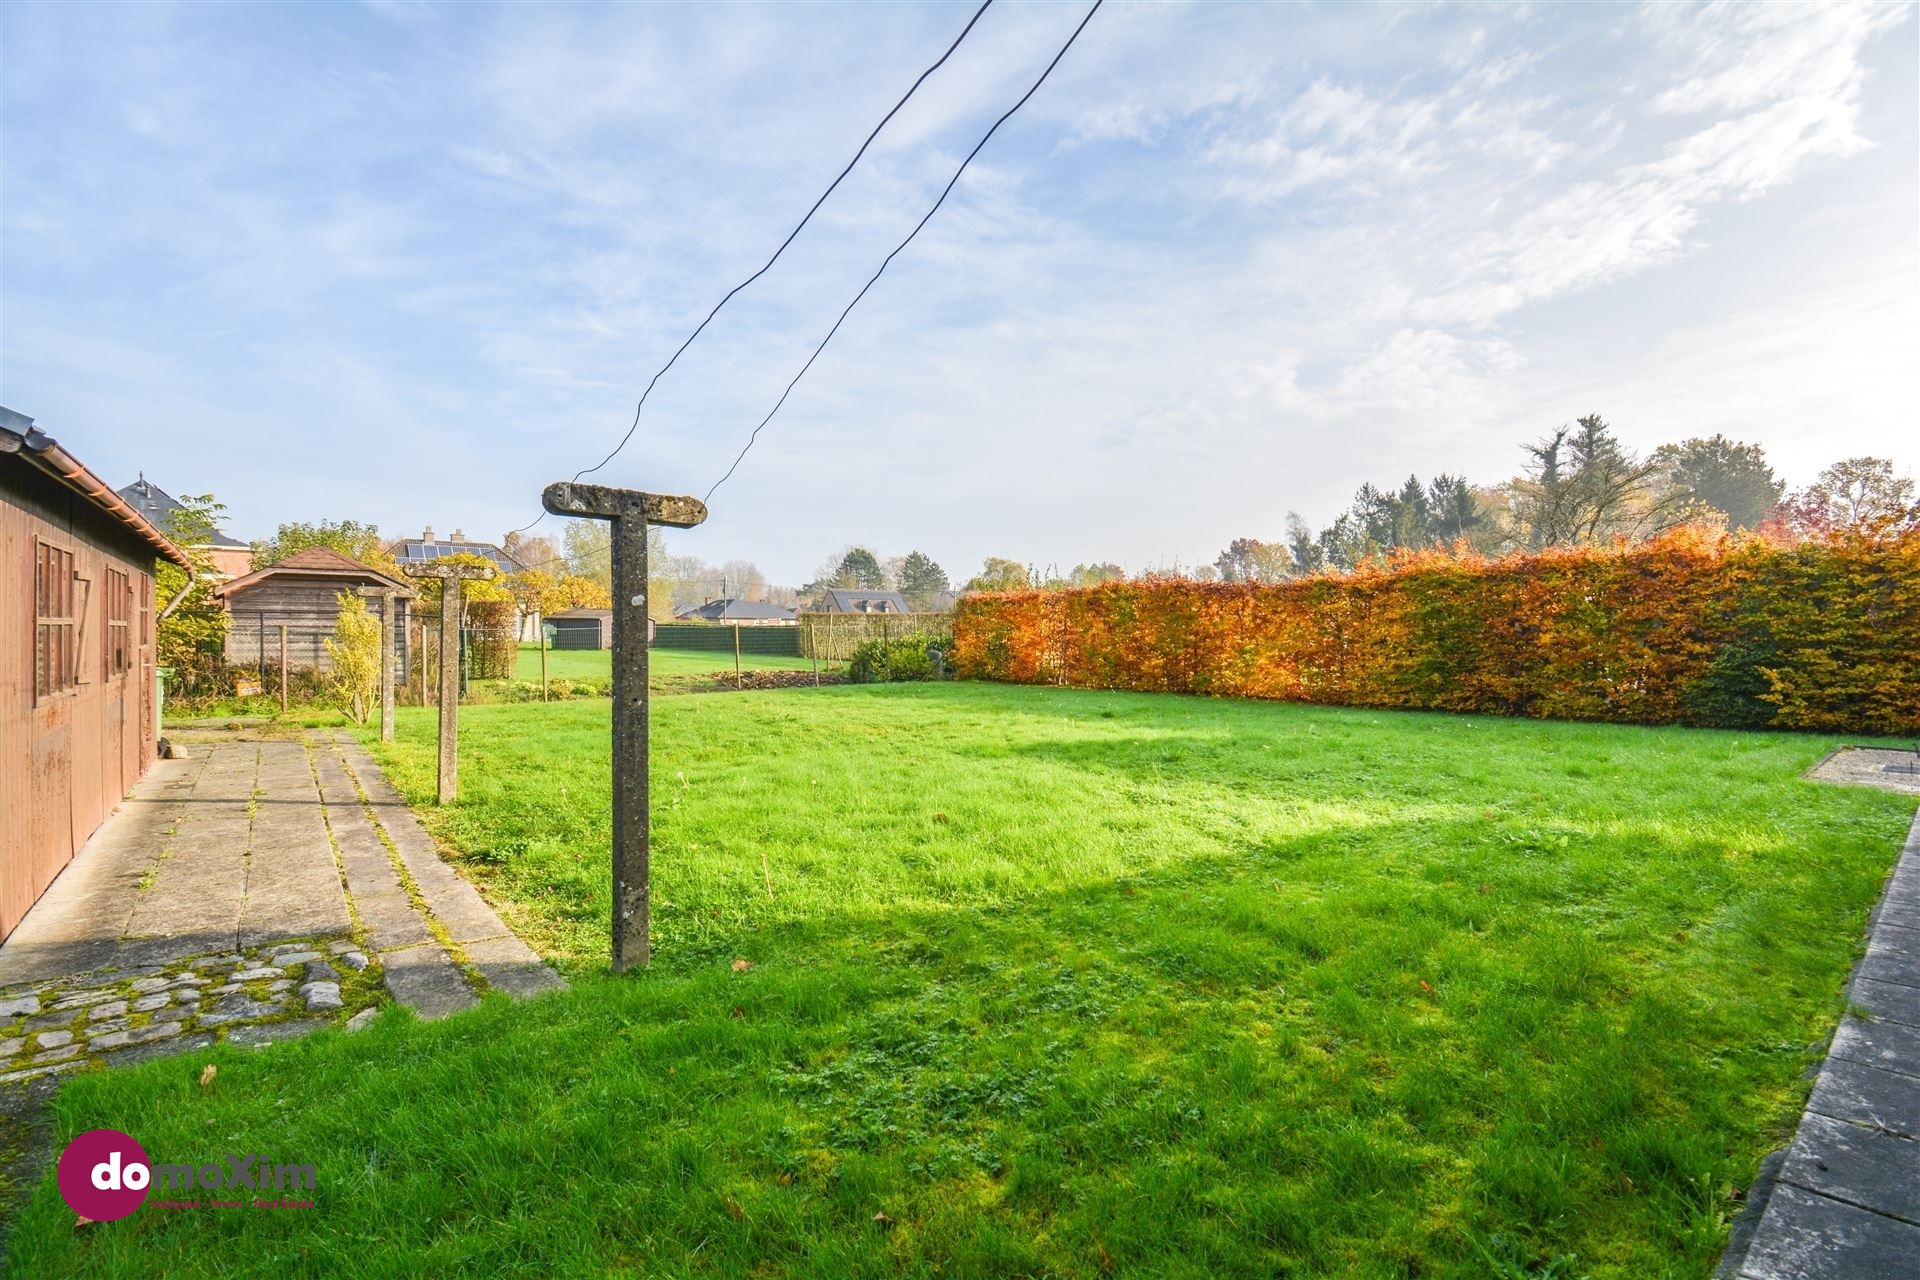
point(1692, 628)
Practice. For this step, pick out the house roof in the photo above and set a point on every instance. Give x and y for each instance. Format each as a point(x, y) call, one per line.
point(731, 610)
point(580, 613)
point(20, 437)
point(855, 600)
point(314, 562)
point(420, 550)
point(158, 506)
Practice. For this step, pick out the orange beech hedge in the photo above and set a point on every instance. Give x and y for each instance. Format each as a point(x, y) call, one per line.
point(1695, 627)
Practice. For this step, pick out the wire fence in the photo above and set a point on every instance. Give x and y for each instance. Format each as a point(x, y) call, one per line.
point(832, 637)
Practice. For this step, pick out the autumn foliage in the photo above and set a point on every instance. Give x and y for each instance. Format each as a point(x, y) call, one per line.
point(1694, 627)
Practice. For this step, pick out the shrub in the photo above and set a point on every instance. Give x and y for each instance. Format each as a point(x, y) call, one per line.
point(354, 650)
point(1693, 627)
point(885, 661)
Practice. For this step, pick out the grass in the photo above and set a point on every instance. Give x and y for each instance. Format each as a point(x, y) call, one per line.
point(583, 664)
point(1048, 982)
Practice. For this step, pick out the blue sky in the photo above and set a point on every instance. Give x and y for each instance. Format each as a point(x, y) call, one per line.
point(407, 263)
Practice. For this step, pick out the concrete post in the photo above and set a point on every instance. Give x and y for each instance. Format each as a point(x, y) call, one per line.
point(631, 512)
point(450, 576)
point(389, 607)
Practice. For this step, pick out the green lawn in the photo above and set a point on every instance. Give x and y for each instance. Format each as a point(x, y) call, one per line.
point(577, 664)
point(1061, 983)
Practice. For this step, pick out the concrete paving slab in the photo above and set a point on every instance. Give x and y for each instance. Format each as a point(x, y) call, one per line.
point(1805, 1236)
point(1865, 1167)
point(77, 924)
point(1888, 1001)
point(293, 887)
point(1849, 1090)
point(426, 980)
point(1891, 1046)
point(511, 966)
point(1893, 955)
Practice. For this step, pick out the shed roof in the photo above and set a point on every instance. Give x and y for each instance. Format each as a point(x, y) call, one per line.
point(581, 613)
point(314, 562)
point(20, 437)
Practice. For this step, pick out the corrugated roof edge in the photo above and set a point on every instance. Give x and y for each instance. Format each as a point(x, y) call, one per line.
point(18, 435)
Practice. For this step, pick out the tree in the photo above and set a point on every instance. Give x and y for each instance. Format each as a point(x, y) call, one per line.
point(922, 582)
point(588, 553)
point(532, 552)
point(589, 550)
point(1304, 546)
point(741, 580)
point(1583, 487)
point(192, 639)
point(1250, 560)
point(1862, 493)
point(354, 651)
point(1092, 575)
point(999, 574)
point(1454, 510)
point(854, 568)
point(860, 568)
point(1731, 478)
point(351, 538)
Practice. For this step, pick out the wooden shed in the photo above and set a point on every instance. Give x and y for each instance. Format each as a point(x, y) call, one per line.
point(77, 715)
point(302, 594)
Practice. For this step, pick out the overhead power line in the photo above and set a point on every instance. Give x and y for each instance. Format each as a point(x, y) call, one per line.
point(904, 243)
point(798, 227)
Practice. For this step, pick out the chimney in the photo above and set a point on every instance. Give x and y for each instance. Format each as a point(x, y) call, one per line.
point(458, 536)
point(426, 535)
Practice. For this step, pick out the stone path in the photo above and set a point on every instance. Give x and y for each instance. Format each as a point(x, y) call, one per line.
point(254, 891)
point(1844, 1198)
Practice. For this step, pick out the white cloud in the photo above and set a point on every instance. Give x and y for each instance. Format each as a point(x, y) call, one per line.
point(1311, 247)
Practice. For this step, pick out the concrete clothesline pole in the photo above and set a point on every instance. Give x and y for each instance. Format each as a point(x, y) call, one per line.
point(450, 577)
point(630, 512)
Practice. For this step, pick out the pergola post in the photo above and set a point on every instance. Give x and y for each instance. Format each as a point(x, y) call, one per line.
point(387, 597)
point(450, 576)
point(630, 511)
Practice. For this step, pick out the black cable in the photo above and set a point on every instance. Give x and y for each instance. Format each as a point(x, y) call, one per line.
point(777, 252)
point(904, 243)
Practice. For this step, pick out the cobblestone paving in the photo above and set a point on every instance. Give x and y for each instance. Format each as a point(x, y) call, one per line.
point(255, 891)
point(252, 997)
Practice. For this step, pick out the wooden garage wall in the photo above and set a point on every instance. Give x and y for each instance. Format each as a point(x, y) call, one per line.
point(66, 759)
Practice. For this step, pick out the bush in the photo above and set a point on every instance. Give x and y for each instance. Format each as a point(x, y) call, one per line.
point(1693, 627)
point(894, 661)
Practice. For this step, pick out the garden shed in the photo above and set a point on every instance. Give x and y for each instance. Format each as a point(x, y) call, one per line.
point(301, 593)
point(77, 716)
point(582, 629)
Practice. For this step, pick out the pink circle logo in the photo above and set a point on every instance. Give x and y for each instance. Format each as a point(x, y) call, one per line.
point(104, 1175)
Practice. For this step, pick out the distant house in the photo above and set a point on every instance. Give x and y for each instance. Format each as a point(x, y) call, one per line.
point(854, 600)
point(77, 715)
point(751, 613)
point(411, 551)
point(230, 558)
point(302, 593)
point(582, 629)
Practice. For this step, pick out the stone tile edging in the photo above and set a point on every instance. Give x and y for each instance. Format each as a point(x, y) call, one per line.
point(1843, 1200)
